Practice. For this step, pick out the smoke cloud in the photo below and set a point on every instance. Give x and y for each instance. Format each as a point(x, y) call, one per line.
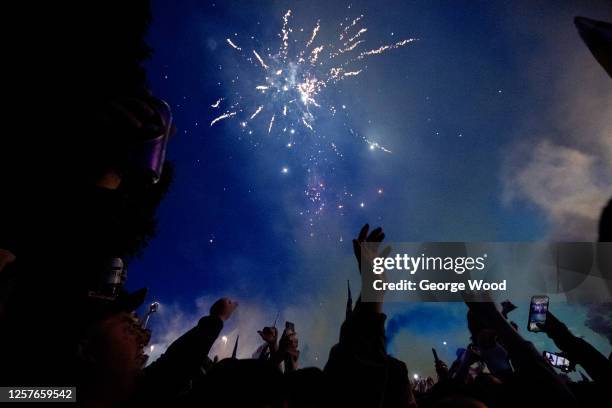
point(563, 162)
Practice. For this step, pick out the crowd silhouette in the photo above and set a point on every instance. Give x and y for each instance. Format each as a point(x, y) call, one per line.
point(67, 319)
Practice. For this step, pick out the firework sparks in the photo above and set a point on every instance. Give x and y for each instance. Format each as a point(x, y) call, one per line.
point(261, 61)
point(224, 116)
point(352, 73)
point(315, 31)
point(271, 123)
point(348, 27)
point(314, 55)
point(375, 145)
point(298, 82)
point(349, 47)
point(356, 36)
point(289, 84)
point(256, 112)
point(234, 46)
point(285, 34)
point(384, 48)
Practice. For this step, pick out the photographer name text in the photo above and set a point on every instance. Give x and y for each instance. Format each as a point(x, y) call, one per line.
point(427, 285)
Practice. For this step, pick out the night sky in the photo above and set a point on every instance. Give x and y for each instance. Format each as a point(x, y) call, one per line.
point(498, 123)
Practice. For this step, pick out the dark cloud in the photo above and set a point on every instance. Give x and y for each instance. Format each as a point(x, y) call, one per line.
point(599, 319)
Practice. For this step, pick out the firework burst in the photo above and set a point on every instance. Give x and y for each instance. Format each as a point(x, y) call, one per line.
point(291, 84)
point(285, 91)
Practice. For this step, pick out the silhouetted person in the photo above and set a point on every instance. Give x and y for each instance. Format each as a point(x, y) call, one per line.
point(358, 367)
point(597, 35)
point(578, 351)
point(79, 190)
point(170, 376)
point(110, 354)
point(234, 383)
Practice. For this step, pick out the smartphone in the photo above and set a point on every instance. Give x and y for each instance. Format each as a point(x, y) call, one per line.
point(436, 359)
point(557, 361)
point(538, 311)
point(289, 327)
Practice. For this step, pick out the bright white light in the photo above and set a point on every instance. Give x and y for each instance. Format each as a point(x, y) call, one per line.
point(285, 170)
point(362, 205)
point(224, 339)
point(416, 376)
point(444, 343)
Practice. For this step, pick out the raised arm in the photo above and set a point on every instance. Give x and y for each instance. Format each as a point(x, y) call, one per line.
point(530, 365)
point(184, 358)
point(578, 350)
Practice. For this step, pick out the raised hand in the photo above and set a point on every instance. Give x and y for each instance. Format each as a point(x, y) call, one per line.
point(441, 370)
point(269, 335)
point(371, 250)
point(288, 350)
point(223, 308)
point(552, 326)
point(365, 255)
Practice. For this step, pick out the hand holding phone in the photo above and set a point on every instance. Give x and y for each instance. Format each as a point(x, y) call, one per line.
point(558, 361)
point(538, 311)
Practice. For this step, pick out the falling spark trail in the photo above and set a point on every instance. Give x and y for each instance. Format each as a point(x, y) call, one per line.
point(375, 145)
point(216, 104)
point(285, 34)
point(348, 27)
point(384, 48)
point(256, 112)
point(262, 87)
point(314, 34)
point(234, 46)
point(271, 123)
point(372, 145)
point(350, 48)
point(356, 36)
point(261, 61)
point(352, 73)
point(314, 55)
point(308, 125)
point(224, 116)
